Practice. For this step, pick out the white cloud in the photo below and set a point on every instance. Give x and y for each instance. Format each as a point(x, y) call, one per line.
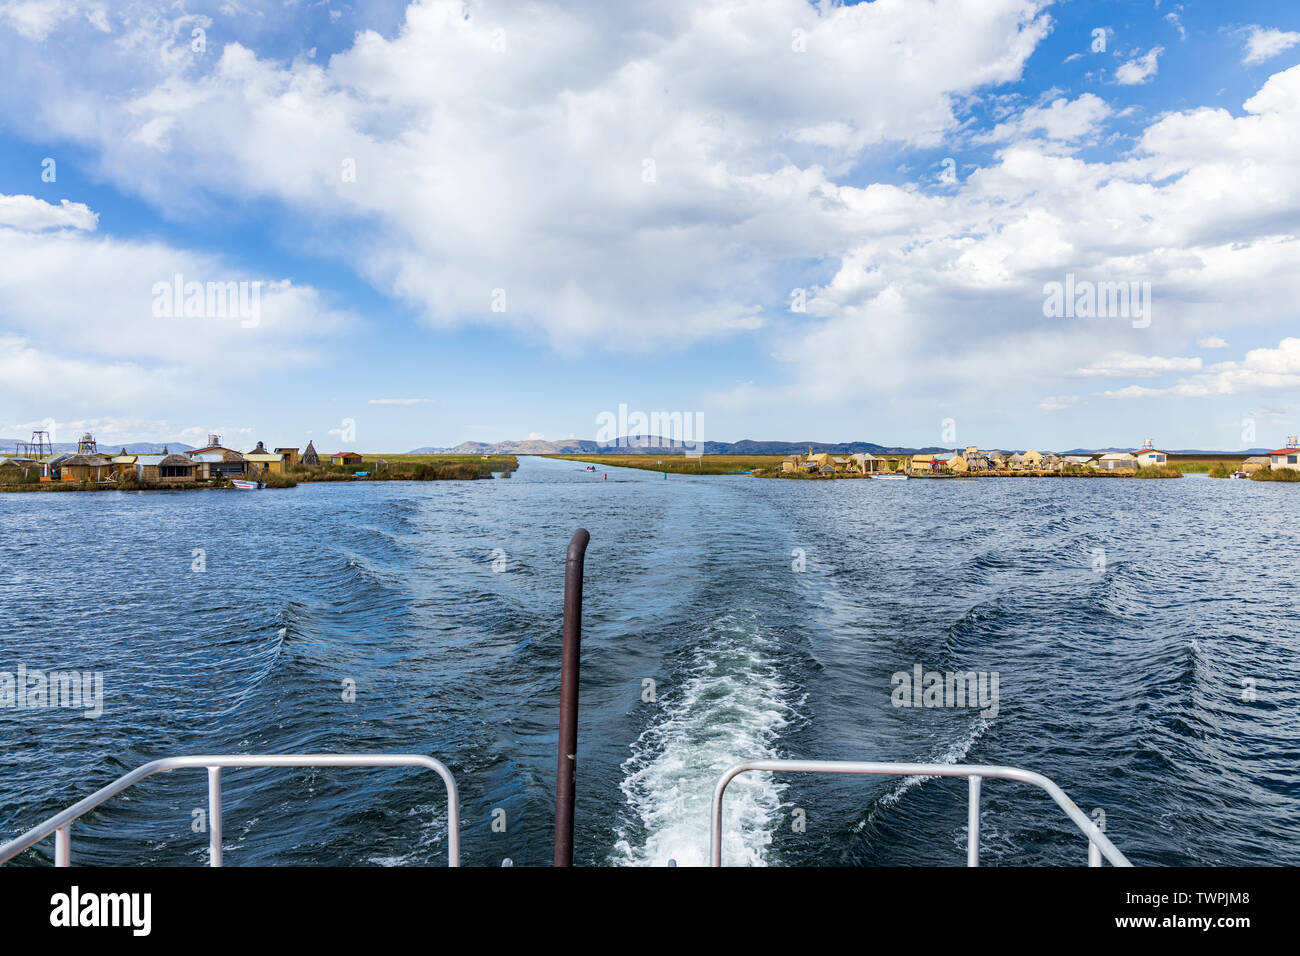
point(1058, 403)
point(1261, 369)
point(948, 289)
point(1173, 18)
point(78, 314)
point(1138, 71)
point(1212, 342)
point(32, 214)
point(36, 19)
point(525, 171)
point(1130, 365)
point(26, 370)
point(1064, 120)
point(1264, 44)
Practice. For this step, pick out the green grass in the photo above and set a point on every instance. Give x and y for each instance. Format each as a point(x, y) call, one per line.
point(1159, 471)
point(52, 486)
point(12, 475)
point(1204, 464)
point(680, 464)
point(411, 468)
point(1275, 474)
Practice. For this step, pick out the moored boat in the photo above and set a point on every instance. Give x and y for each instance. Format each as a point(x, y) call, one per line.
point(243, 485)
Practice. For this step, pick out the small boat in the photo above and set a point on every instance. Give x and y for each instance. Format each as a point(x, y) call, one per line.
point(243, 485)
point(1241, 474)
point(591, 467)
point(889, 477)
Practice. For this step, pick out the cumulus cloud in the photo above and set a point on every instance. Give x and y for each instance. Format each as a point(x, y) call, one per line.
point(1212, 342)
point(1265, 43)
point(1064, 120)
point(1141, 69)
point(622, 180)
point(949, 287)
point(650, 176)
point(81, 311)
point(32, 214)
point(1261, 369)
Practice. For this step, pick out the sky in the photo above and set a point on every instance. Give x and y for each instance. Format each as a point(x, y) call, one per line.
point(381, 226)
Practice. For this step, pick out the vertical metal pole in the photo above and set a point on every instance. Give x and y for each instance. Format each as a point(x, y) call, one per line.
point(973, 823)
point(214, 816)
point(63, 846)
point(453, 826)
point(567, 760)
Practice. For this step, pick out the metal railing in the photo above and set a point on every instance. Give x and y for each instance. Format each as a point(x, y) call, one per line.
point(1099, 844)
point(61, 824)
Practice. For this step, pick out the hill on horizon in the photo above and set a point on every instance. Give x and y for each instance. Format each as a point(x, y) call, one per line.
point(654, 445)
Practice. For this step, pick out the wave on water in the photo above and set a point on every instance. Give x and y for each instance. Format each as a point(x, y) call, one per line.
point(951, 753)
point(730, 704)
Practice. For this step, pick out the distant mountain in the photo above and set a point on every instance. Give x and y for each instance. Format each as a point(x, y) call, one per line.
point(748, 446)
point(9, 445)
point(529, 446)
point(655, 445)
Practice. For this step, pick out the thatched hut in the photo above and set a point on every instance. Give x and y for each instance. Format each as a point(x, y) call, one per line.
point(176, 470)
point(309, 456)
point(85, 468)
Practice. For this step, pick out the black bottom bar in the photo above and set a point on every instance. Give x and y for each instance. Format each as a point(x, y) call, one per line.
point(929, 906)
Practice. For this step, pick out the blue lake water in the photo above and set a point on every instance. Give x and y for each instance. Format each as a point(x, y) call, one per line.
point(1124, 682)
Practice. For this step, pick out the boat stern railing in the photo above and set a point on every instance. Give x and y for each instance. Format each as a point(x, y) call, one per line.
point(1099, 844)
point(60, 825)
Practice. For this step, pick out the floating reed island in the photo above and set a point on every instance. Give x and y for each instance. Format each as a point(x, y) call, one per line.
point(215, 466)
point(974, 462)
point(970, 462)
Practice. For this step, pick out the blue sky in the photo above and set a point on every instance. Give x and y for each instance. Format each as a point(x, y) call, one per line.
point(640, 193)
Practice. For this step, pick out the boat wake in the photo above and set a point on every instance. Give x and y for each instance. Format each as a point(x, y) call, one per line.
point(730, 704)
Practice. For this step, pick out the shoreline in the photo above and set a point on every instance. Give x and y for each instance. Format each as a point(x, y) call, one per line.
point(768, 466)
point(419, 468)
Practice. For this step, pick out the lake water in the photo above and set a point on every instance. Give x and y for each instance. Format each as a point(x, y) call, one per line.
point(1128, 622)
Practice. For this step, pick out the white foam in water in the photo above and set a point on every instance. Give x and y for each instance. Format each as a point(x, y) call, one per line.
point(731, 706)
